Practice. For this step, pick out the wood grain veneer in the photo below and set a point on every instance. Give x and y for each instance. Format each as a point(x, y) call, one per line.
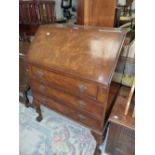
point(71, 70)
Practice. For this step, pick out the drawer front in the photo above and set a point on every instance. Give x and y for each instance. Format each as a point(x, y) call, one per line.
point(89, 89)
point(93, 108)
point(70, 113)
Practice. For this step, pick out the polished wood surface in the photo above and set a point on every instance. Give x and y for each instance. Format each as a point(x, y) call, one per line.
point(96, 12)
point(71, 70)
point(119, 108)
point(80, 12)
point(85, 106)
point(67, 111)
point(99, 12)
point(68, 83)
point(90, 53)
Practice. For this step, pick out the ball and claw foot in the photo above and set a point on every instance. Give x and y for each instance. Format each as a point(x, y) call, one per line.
point(39, 117)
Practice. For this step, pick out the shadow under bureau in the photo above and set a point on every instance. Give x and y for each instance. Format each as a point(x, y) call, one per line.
point(70, 71)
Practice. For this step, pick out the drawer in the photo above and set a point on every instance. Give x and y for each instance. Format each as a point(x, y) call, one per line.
point(87, 105)
point(69, 112)
point(83, 87)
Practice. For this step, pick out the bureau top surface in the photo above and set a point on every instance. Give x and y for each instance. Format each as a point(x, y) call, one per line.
point(86, 52)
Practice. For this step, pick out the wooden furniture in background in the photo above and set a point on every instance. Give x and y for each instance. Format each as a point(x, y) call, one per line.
point(74, 79)
point(96, 12)
point(80, 12)
point(23, 77)
point(121, 132)
point(107, 13)
point(34, 13)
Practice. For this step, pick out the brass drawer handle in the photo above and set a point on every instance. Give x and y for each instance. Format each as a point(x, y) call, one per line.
point(82, 104)
point(81, 116)
point(82, 88)
point(41, 88)
point(40, 73)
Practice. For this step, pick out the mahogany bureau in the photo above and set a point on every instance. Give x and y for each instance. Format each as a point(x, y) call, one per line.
point(70, 71)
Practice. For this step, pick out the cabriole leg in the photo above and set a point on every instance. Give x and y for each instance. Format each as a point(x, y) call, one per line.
point(38, 110)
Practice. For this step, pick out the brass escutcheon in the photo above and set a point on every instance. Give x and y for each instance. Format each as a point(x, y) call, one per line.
point(82, 88)
point(81, 103)
point(40, 73)
point(81, 116)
